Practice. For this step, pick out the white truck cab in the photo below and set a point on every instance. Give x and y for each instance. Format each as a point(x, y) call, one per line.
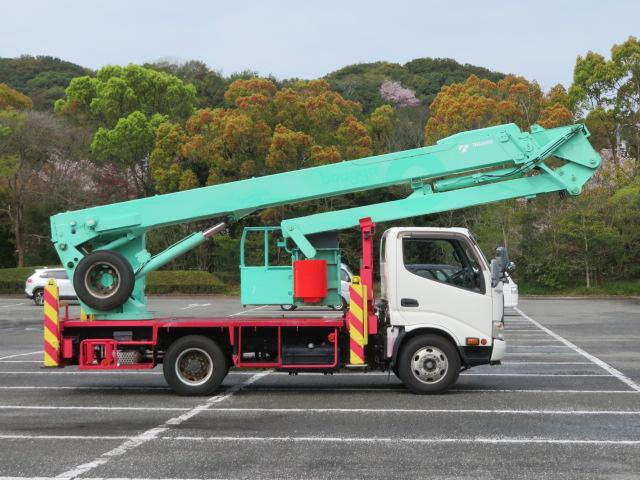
point(438, 281)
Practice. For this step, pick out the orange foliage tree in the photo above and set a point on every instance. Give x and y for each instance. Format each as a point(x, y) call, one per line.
point(478, 103)
point(262, 130)
point(10, 98)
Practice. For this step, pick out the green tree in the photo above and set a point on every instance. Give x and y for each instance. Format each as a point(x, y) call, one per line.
point(608, 93)
point(127, 105)
point(116, 92)
point(209, 84)
point(41, 78)
point(128, 144)
point(32, 146)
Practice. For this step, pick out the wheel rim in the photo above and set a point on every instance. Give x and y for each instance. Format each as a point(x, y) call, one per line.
point(102, 280)
point(429, 364)
point(39, 296)
point(194, 366)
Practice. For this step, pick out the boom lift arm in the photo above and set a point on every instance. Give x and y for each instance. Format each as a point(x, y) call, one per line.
point(103, 248)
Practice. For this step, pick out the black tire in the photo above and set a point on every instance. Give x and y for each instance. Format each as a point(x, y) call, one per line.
point(428, 364)
point(288, 307)
point(194, 365)
point(38, 297)
point(92, 268)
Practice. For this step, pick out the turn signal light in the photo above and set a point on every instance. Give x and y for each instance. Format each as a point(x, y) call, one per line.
point(473, 341)
point(331, 337)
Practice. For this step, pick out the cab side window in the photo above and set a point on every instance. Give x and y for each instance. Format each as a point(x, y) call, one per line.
point(448, 261)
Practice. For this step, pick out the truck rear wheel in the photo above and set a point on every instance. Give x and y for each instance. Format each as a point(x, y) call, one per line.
point(194, 365)
point(428, 364)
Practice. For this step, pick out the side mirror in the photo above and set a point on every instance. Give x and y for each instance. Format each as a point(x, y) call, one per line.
point(496, 273)
point(500, 266)
point(503, 257)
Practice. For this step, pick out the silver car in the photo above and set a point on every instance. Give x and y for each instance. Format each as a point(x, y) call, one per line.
point(34, 286)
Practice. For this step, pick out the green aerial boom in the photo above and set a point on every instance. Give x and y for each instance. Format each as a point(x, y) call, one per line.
point(103, 248)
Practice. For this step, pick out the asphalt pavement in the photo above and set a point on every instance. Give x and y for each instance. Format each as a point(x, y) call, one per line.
point(564, 404)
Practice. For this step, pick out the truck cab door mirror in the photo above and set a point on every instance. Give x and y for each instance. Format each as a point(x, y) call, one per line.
point(503, 257)
point(496, 273)
point(510, 268)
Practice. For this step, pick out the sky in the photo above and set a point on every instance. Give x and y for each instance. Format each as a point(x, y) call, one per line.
point(308, 39)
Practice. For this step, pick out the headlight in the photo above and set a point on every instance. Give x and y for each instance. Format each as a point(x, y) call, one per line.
point(498, 330)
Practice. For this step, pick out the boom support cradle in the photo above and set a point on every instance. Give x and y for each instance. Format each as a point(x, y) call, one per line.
point(466, 169)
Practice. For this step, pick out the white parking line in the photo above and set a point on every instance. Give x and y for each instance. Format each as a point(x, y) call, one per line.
point(327, 410)
point(98, 372)
point(107, 478)
point(80, 372)
point(292, 389)
point(528, 330)
point(460, 390)
point(605, 366)
point(312, 439)
point(536, 375)
point(20, 361)
point(465, 374)
point(196, 305)
point(154, 433)
point(247, 311)
point(351, 374)
point(12, 305)
point(536, 354)
point(106, 387)
point(20, 355)
point(546, 363)
point(537, 346)
point(92, 408)
point(489, 440)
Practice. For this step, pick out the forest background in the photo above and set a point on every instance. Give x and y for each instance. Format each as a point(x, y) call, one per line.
point(71, 138)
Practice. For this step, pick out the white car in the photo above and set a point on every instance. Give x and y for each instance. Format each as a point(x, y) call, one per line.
point(345, 283)
point(510, 292)
point(34, 286)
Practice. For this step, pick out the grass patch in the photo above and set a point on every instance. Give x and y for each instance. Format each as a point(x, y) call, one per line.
point(617, 287)
point(164, 282)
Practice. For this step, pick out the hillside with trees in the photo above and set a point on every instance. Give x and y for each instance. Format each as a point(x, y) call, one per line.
point(41, 78)
point(72, 138)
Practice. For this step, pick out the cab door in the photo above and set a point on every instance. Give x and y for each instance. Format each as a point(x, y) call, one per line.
point(441, 281)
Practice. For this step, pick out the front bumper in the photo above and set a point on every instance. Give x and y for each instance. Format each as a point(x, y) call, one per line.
point(499, 349)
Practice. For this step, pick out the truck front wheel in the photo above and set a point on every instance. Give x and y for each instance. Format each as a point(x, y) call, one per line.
point(428, 364)
point(194, 365)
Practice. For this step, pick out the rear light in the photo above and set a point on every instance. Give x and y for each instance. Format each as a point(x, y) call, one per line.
point(498, 330)
point(29, 280)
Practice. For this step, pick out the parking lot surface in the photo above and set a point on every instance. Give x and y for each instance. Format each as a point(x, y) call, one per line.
point(564, 404)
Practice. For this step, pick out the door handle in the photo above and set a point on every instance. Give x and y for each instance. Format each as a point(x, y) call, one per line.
point(409, 302)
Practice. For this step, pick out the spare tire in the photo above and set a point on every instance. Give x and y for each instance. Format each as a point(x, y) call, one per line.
point(104, 280)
